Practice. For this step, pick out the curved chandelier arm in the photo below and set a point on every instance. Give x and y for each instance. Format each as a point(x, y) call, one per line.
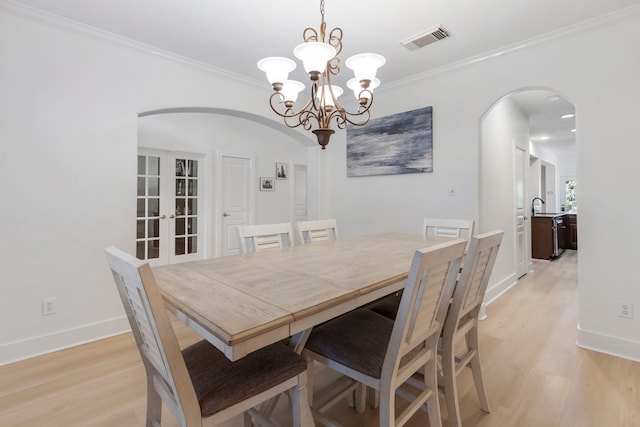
point(292, 118)
point(358, 118)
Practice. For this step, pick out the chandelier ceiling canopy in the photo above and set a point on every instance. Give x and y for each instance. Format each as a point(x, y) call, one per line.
point(320, 60)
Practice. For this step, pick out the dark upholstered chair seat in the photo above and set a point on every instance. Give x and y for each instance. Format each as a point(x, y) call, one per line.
point(387, 306)
point(220, 383)
point(358, 340)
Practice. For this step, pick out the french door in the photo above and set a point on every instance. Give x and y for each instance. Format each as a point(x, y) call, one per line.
point(169, 208)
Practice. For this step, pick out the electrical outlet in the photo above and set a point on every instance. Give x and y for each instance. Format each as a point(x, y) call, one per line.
point(49, 306)
point(451, 190)
point(625, 309)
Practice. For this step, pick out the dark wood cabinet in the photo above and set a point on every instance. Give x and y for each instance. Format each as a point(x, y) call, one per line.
point(551, 234)
point(572, 231)
point(541, 237)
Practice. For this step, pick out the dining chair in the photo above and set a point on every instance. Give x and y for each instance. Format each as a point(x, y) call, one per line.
point(462, 321)
point(433, 227)
point(312, 231)
point(447, 227)
point(380, 353)
point(255, 238)
point(199, 384)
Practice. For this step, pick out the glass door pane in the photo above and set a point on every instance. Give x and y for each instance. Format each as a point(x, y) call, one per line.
point(168, 207)
point(148, 227)
point(186, 195)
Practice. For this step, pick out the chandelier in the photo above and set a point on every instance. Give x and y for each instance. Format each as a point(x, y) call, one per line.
point(320, 61)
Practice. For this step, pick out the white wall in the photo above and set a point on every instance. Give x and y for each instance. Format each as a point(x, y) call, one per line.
point(504, 128)
point(578, 66)
point(69, 114)
point(547, 161)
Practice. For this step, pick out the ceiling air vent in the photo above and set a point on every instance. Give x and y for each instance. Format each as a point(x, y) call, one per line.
point(425, 38)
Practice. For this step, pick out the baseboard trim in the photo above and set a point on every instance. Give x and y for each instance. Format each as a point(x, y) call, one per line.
point(59, 340)
point(607, 344)
point(496, 292)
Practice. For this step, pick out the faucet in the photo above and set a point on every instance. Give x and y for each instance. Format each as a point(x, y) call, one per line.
point(533, 209)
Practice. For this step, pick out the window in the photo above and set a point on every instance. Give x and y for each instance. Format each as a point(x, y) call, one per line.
point(570, 194)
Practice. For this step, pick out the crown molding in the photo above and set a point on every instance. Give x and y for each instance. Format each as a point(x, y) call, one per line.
point(78, 27)
point(69, 24)
point(583, 26)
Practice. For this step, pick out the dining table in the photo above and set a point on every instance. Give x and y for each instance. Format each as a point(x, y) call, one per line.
point(242, 303)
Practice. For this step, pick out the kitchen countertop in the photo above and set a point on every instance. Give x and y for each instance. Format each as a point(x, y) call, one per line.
point(548, 215)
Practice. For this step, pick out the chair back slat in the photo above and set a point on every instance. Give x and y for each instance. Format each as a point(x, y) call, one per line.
point(318, 230)
point(446, 227)
point(424, 300)
point(255, 238)
point(476, 271)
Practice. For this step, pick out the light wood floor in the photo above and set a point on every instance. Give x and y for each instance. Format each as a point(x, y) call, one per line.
point(536, 375)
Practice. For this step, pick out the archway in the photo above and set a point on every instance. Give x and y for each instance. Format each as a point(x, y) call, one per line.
point(520, 123)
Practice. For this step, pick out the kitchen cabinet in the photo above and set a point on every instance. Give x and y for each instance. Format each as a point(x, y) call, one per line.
point(572, 231)
point(548, 235)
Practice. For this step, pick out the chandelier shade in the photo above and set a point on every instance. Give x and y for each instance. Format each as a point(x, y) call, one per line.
point(276, 68)
point(328, 95)
point(314, 56)
point(290, 90)
point(365, 65)
point(319, 54)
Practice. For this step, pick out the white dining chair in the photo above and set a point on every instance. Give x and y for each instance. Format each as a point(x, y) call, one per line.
point(199, 384)
point(255, 238)
point(317, 230)
point(462, 322)
point(383, 354)
point(433, 227)
point(448, 227)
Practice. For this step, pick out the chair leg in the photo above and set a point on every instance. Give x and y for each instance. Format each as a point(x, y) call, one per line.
point(360, 398)
point(431, 381)
point(248, 421)
point(300, 403)
point(387, 407)
point(476, 369)
point(450, 385)
point(154, 405)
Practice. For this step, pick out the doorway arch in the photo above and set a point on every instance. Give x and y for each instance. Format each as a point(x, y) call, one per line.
point(509, 124)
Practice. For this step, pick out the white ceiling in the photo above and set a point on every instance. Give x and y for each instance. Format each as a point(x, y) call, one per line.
point(234, 35)
point(545, 110)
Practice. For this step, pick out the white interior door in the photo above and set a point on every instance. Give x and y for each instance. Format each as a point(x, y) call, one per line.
point(300, 206)
point(236, 201)
point(520, 212)
point(169, 209)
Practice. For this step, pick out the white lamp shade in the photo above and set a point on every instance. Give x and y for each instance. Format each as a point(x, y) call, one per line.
point(291, 89)
point(314, 55)
point(365, 65)
point(356, 87)
point(328, 99)
point(277, 68)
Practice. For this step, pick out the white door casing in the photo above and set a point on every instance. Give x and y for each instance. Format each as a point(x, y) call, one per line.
point(519, 159)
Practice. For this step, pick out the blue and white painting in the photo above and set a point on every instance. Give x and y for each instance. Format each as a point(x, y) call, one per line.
point(396, 144)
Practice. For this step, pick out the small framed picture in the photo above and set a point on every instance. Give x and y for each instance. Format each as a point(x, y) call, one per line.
point(281, 170)
point(267, 184)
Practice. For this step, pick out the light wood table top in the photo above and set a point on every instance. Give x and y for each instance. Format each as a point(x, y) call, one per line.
point(245, 302)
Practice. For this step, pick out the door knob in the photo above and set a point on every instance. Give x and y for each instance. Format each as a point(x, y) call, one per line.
point(163, 217)
point(226, 214)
